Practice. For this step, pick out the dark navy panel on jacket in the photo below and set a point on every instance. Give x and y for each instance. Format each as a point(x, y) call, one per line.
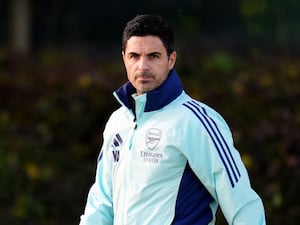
point(192, 206)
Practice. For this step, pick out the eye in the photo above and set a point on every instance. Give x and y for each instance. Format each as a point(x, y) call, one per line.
point(133, 55)
point(154, 55)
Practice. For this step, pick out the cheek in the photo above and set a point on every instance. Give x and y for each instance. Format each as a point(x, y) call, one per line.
point(130, 73)
point(129, 67)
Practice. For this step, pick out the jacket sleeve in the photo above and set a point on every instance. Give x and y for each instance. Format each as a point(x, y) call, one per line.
point(211, 154)
point(99, 208)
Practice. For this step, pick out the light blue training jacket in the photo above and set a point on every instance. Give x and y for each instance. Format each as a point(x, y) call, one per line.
point(169, 159)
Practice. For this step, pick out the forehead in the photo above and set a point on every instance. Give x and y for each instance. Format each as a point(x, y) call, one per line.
point(147, 44)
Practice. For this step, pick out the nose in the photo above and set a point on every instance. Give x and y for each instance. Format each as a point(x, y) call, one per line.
point(143, 64)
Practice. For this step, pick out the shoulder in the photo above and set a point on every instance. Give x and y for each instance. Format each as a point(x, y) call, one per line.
point(201, 110)
point(192, 108)
point(199, 114)
point(121, 114)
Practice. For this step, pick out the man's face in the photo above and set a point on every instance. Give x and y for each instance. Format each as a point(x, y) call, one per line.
point(147, 63)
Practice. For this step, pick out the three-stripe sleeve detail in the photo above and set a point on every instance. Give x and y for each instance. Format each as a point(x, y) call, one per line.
point(218, 140)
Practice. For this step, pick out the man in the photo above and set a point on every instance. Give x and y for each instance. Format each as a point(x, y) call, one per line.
point(166, 158)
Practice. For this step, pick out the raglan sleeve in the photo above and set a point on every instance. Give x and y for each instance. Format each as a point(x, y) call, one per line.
point(99, 206)
point(214, 159)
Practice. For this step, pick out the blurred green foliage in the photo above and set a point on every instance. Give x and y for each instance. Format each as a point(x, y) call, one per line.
point(53, 109)
point(54, 106)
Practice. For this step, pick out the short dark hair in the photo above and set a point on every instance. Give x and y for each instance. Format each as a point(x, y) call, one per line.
point(144, 25)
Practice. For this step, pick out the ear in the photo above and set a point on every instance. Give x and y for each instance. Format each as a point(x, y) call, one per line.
point(172, 60)
point(123, 55)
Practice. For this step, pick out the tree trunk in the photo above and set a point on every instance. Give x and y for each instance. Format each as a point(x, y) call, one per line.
point(20, 26)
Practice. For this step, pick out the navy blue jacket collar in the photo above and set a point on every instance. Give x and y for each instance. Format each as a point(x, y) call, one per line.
point(170, 89)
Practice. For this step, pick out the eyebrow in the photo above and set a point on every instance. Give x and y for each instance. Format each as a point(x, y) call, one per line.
point(132, 53)
point(151, 53)
point(154, 53)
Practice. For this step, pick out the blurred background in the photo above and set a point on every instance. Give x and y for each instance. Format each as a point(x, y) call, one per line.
point(60, 61)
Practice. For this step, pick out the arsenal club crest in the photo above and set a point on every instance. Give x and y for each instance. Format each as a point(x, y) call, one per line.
point(153, 136)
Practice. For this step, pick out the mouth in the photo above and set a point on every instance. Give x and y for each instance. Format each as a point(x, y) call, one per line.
point(144, 77)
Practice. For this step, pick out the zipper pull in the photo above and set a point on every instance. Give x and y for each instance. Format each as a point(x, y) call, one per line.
point(134, 121)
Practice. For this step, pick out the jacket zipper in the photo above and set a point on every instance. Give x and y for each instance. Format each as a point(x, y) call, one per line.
point(134, 129)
